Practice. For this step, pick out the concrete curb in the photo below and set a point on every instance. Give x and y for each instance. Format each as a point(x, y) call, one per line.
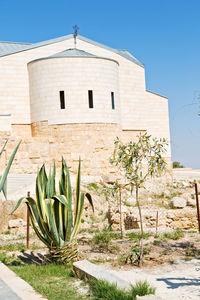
point(20, 287)
point(85, 269)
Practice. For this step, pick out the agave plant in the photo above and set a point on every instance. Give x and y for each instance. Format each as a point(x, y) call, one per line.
point(56, 217)
point(3, 178)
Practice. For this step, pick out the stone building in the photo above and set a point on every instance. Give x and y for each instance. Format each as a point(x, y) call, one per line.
point(62, 100)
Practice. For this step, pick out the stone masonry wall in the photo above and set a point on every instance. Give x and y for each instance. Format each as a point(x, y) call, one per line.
point(43, 143)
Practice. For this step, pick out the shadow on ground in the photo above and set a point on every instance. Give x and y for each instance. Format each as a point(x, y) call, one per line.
point(176, 282)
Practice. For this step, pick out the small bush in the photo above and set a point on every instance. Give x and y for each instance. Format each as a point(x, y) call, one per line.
point(156, 242)
point(135, 236)
point(142, 288)
point(103, 238)
point(134, 255)
point(173, 235)
point(103, 290)
point(176, 164)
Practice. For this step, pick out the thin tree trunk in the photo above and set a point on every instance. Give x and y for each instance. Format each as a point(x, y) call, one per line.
point(120, 210)
point(141, 226)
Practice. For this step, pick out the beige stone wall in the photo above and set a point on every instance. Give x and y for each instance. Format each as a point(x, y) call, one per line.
point(140, 110)
point(92, 142)
point(158, 119)
point(75, 76)
point(14, 82)
point(43, 143)
point(5, 122)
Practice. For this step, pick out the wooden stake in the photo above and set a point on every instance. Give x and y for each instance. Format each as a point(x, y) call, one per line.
point(157, 223)
point(197, 203)
point(27, 225)
point(120, 206)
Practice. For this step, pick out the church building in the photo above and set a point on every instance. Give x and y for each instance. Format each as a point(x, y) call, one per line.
point(72, 96)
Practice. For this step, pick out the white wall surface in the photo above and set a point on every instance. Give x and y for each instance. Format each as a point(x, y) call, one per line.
point(75, 76)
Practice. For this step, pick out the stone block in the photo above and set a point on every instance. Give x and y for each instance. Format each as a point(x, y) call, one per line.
point(148, 297)
point(131, 201)
point(17, 223)
point(87, 270)
point(178, 202)
point(191, 202)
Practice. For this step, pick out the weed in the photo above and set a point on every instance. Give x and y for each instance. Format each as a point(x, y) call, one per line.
point(176, 235)
point(171, 261)
point(135, 236)
point(126, 203)
point(94, 219)
point(156, 243)
point(7, 232)
point(192, 251)
point(91, 230)
point(53, 281)
point(93, 186)
point(173, 195)
point(101, 260)
point(18, 247)
point(142, 288)
point(134, 255)
point(13, 247)
point(103, 239)
point(9, 259)
point(104, 290)
point(100, 213)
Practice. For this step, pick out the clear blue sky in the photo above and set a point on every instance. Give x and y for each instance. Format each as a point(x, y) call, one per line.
point(163, 34)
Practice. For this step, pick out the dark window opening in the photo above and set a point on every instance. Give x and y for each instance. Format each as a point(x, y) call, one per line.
point(62, 99)
point(112, 100)
point(90, 99)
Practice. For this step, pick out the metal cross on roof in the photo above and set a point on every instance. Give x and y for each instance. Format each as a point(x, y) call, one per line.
point(76, 28)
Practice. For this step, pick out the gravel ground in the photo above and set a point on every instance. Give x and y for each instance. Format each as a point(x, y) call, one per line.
point(180, 280)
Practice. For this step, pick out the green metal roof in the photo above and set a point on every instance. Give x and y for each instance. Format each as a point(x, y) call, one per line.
point(73, 52)
point(12, 48)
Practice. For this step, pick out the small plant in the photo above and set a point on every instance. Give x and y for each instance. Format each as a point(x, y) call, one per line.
point(139, 160)
point(173, 235)
point(103, 239)
point(52, 212)
point(7, 232)
point(135, 236)
point(142, 288)
point(13, 247)
point(177, 164)
point(134, 255)
point(156, 242)
point(3, 178)
point(192, 251)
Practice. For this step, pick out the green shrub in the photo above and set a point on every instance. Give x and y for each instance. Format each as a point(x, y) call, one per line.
point(103, 238)
point(173, 235)
point(176, 164)
point(53, 217)
point(142, 288)
point(135, 236)
point(103, 290)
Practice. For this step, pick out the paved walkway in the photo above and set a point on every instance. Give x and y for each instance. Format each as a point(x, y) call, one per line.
point(178, 281)
point(186, 174)
point(6, 293)
point(14, 288)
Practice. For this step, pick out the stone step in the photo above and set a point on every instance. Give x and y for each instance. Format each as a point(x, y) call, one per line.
point(87, 270)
